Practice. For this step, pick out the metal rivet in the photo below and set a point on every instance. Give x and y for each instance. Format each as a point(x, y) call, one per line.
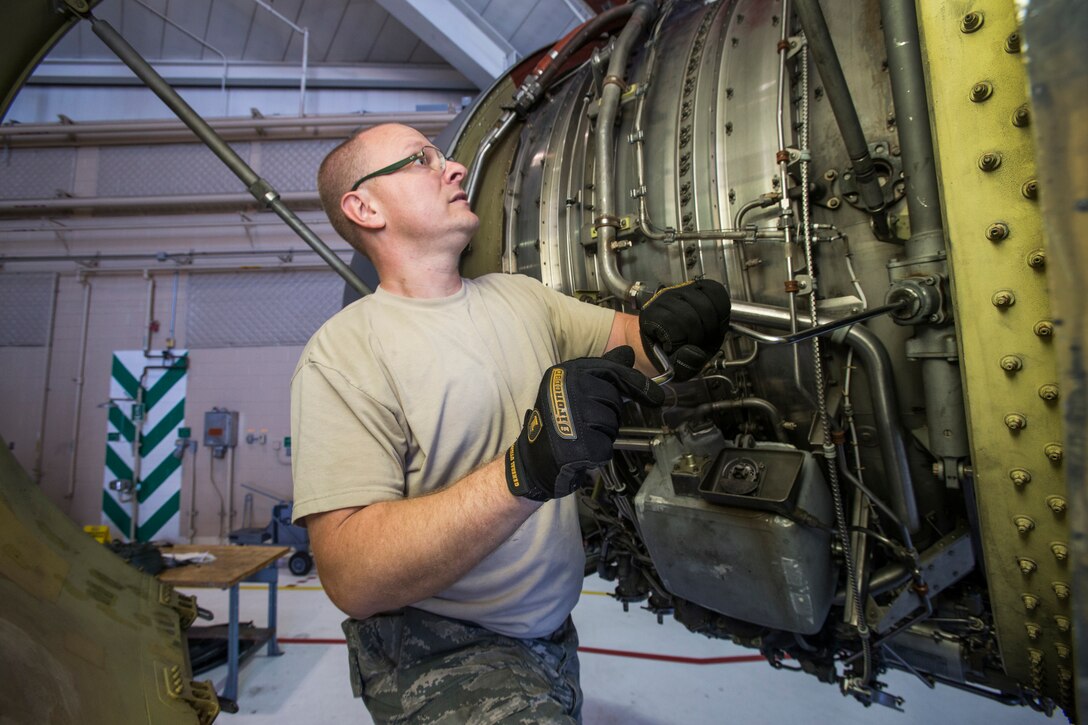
point(1030, 601)
point(998, 231)
point(1033, 630)
point(1016, 421)
point(1062, 650)
point(1011, 363)
point(1053, 452)
point(990, 161)
point(1062, 623)
point(971, 22)
point(1061, 589)
point(1043, 328)
point(981, 91)
point(1030, 189)
point(1048, 392)
point(1020, 477)
point(1021, 117)
point(1056, 504)
point(1027, 566)
point(1037, 259)
point(1060, 551)
point(1012, 43)
point(1023, 524)
point(1003, 298)
point(1035, 657)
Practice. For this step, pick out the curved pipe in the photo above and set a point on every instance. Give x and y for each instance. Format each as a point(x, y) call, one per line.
point(874, 358)
point(760, 404)
point(604, 171)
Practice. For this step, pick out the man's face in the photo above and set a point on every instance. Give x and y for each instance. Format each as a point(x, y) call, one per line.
point(418, 202)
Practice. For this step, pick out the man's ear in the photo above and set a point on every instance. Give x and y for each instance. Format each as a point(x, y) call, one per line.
point(360, 208)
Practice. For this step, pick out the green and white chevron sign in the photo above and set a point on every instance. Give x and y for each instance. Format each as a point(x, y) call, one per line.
point(159, 384)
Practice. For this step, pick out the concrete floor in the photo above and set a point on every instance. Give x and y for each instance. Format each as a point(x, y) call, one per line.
point(653, 675)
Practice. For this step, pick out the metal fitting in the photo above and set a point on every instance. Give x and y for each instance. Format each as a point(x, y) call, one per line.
point(1011, 363)
point(1037, 259)
point(1061, 589)
point(1043, 328)
point(1060, 551)
point(1003, 298)
point(1049, 392)
point(1012, 43)
point(1062, 650)
point(1056, 504)
point(981, 91)
point(1062, 623)
point(1030, 189)
point(998, 231)
point(1033, 630)
point(989, 161)
point(1023, 524)
point(1053, 452)
point(1027, 566)
point(1016, 421)
point(615, 81)
point(1030, 601)
point(1021, 117)
point(1020, 477)
point(971, 22)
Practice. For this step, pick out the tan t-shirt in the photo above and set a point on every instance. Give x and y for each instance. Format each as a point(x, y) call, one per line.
point(396, 397)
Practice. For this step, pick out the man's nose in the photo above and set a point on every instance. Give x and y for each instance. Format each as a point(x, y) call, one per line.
point(455, 171)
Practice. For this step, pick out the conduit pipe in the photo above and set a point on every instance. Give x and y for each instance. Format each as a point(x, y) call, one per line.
point(258, 187)
point(607, 220)
point(874, 358)
point(305, 32)
point(178, 203)
point(40, 447)
point(77, 410)
point(846, 115)
point(177, 257)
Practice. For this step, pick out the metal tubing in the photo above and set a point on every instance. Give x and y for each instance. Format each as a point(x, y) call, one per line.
point(874, 357)
point(604, 169)
point(846, 115)
point(40, 447)
point(818, 330)
point(77, 412)
point(258, 187)
point(475, 173)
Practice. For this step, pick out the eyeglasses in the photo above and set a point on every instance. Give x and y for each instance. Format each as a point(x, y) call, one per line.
point(428, 156)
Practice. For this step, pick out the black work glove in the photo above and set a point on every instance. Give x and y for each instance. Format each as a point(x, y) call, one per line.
point(688, 322)
point(574, 423)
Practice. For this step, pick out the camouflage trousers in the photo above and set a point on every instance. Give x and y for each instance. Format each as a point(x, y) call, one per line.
point(415, 667)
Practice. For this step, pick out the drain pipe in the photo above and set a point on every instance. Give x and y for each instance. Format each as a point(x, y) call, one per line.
point(607, 221)
point(40, 447)
point(846, 115)
point(77, 411)
point(258, 187)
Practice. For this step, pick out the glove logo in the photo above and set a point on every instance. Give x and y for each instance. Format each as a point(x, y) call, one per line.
point(535, 426)
point(557, 389)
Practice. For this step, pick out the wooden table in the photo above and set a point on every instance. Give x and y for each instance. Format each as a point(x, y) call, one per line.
point(232, 565)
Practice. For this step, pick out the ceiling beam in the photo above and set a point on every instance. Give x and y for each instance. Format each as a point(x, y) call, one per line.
point(457, 33)
point(244, 74)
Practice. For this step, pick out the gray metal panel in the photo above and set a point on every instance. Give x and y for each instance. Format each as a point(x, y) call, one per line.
point(142, 27)
point(359, 28)
point(259, 309)
point(292, 165)
point(24, 309)
point(269, 37)
point(36, 174)
point(191, 15)
point(394, 43)
point(323, 19)
point(165, 170)
point(228, 26)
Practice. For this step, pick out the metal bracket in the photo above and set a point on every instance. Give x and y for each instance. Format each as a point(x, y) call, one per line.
point(797, 43)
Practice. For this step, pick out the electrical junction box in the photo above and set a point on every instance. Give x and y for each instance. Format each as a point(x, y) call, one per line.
point(220, 429)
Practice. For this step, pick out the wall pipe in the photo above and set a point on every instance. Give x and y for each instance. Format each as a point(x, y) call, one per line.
point(877, 363)
point(846, 115)
point(77, 410)
point(258, 187)
point(40, 446)
point(176, 257)
point(305, 32)
point(180, 202)
point(606, 223)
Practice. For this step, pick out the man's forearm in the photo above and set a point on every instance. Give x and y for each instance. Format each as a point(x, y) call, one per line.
point(391, 554)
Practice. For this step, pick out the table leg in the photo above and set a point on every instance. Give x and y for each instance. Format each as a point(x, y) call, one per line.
point(273, 586)
point(230, 692)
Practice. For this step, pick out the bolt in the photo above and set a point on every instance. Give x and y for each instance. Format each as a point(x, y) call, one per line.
point(1061, 551)
point(1020, 477)
point(1043, 328)
point(981, 91)
point(971, 22)
point(1034, 630)
point(1021, 117)
point(1035, 656)
point(1030, 601)
point(1062, 650)
point(1030, 189)
point(1003, 298)
point(1037, 259)
point(1062, 623)
point(831, 174)
point(1048, 392)
point(1027, 566)
point(997, 231)
point(1012, 43)
point(1061, 589)
point(1056, 504)
point(1011, 363)
point(990, 161)
point(1023, 524)
point(1016, 421)
point(1053, 451)
point(833, 203)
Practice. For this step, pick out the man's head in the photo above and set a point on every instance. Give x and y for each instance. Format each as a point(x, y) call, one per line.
point(418, 203)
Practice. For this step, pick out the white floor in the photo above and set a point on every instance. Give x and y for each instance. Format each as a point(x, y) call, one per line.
point(309, 682)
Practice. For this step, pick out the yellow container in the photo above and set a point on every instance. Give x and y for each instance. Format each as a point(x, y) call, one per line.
point(101, 534)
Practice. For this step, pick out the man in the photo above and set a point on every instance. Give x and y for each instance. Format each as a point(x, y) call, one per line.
point(437, 510)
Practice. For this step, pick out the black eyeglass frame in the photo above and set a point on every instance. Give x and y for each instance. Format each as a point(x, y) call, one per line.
point(398, 165)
